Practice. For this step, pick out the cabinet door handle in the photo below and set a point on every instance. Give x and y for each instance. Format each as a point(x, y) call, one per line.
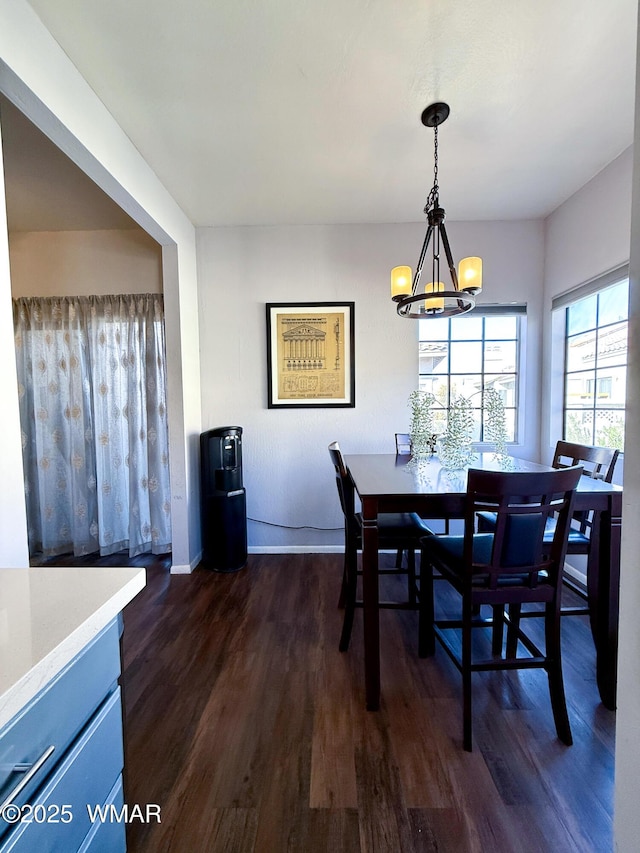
point(31, 769)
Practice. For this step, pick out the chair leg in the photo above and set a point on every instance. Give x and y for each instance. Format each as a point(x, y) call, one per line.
point(350, 592)
point(399, 553)
point(347, 624)
point(348, 548)
point(554, 671)
point(512, 630)
point(498, 630)
point(426, 615)
point(411, 575)
point(592, 588)
point(467, 741)
point(343, 586)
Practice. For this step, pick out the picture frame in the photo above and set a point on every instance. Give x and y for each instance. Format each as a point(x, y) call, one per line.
point(310, 355)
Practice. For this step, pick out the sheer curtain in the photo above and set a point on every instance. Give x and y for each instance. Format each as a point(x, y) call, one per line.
point(92, 389)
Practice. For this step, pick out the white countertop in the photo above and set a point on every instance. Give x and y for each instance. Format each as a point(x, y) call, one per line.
point(47, 615)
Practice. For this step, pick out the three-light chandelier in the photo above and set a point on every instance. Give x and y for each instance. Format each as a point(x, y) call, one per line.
point(434, 300)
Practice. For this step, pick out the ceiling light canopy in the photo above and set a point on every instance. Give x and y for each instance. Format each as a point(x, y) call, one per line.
point(434, 299)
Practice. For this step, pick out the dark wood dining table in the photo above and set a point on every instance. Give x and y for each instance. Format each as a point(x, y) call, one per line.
point(398, 483)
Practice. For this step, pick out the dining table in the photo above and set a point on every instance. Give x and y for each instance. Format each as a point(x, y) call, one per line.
point(386, 482)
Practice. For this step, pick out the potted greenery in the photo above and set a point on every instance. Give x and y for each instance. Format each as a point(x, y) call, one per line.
point(456, 449)
point(421, 428)
point(495, 423)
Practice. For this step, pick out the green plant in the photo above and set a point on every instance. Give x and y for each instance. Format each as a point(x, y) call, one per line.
point(495, 423)
point(576, 429)
point(612, 434)
point(456, 450)
point(421, 429)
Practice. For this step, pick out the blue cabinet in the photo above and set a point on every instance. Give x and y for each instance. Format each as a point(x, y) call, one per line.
point(61, 759)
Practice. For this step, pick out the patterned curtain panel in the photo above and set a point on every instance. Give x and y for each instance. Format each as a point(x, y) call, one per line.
point(92, 387)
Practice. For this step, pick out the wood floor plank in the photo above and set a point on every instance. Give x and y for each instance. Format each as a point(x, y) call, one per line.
point(384, 820)
point(419, 749)
point(284, 806)
point(247, 726)
point(230, 830)
point(438, 831)
point(333, 771)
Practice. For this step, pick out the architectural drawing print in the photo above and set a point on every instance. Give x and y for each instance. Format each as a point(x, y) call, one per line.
point(310, 354)
point(304, 348)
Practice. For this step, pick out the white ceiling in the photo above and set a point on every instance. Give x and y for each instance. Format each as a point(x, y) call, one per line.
point(308, 111)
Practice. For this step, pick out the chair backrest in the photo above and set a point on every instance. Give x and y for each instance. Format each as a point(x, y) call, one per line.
point(343, 482)
point(403, 444)
point(522, 502)
point(597, 462)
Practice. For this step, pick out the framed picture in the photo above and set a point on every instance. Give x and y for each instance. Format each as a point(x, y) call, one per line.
point(310, 355)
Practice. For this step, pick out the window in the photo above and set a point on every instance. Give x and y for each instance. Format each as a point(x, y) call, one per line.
point(596, 367)
point(459, 356)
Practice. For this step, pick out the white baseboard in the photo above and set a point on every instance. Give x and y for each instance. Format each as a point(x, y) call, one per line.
point(576, 574)
point(186, 568)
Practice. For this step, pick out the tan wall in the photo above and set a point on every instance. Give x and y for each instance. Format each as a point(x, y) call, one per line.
point(84, 263)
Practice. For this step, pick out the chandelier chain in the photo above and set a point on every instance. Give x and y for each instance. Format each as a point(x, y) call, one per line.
point(432, 199)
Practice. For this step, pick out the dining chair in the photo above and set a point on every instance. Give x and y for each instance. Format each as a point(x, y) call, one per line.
point(396, 530)
point(403, 444)
point(403, 448)
point(509, 566)
point(584, 533)
point(597, 462)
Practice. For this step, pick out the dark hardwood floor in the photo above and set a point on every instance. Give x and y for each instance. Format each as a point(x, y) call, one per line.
point(247, 726)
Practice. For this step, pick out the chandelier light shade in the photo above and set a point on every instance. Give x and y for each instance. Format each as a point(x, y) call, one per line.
point(400, 282)
point(434, 303)
point(470, 275)
point(434, 299)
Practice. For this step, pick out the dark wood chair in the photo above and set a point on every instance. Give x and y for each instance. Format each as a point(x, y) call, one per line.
point(397, 530)
point(596, 462)
point(584, 534)
point(403, 444)
point(510, 566)
point(403, 448)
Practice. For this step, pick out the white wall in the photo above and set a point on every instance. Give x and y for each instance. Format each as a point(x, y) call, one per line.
point(626, 813)
point(14, 550)
point(589, 234)
point(37, 76)
point(83, 263)
point(585, 237)
point(287, 474)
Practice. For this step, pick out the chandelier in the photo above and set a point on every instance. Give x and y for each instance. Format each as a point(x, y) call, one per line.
point(434, 300)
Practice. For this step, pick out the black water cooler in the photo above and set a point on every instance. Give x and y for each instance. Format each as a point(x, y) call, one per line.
point(224, 506)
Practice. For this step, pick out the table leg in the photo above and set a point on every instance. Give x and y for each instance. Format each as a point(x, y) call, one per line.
point(604, 598)
point(370, 607)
